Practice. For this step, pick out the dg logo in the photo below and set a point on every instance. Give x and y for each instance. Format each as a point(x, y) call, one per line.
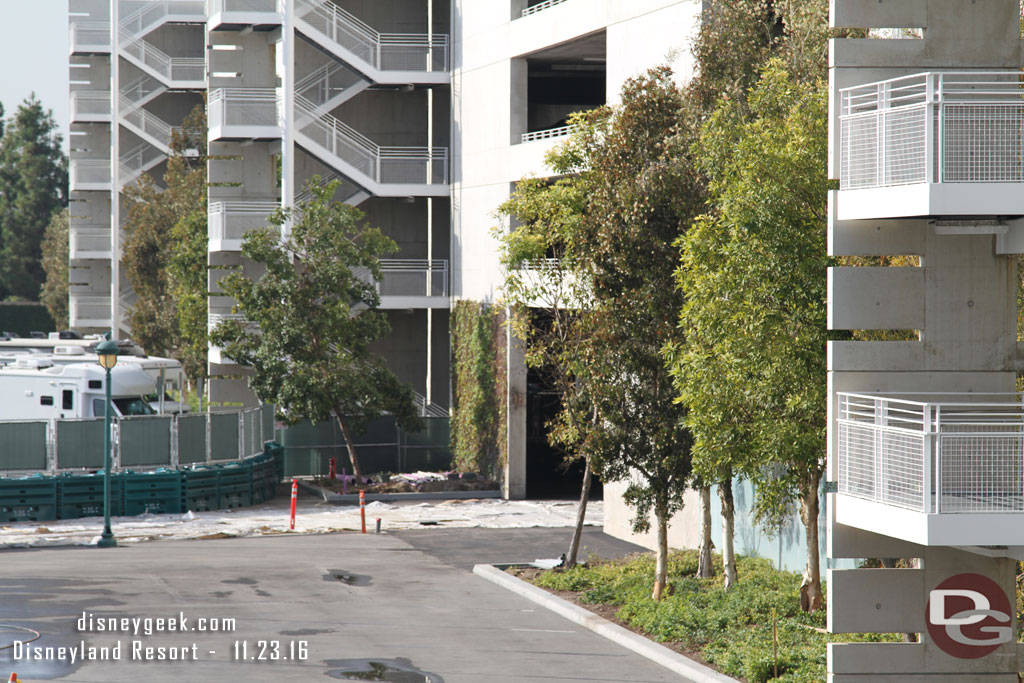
point(969, 616)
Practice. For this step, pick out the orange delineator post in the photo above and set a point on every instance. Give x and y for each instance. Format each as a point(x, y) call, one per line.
point(13, 679)
point(362, 508)
point(295, 496)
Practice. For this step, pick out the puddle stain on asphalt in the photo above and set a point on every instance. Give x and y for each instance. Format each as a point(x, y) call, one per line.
point(399, 670)
point(347, 578)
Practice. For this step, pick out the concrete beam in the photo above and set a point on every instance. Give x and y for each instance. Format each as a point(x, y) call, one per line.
point(876, 601)
point(874, 237)
point(851, 542)
point(878, 14)
point(875, 298)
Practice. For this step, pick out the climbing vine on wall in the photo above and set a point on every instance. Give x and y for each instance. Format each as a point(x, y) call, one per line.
point(479, 414)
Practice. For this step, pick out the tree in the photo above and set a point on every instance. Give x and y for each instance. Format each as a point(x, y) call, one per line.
point(311, 316)
point(610, 226)
point(753, 271)
point(33, 186)
point(546, 292)
point(55, 249)
point(153, 242)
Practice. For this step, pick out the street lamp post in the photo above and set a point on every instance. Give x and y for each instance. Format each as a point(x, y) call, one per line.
point(107, 353)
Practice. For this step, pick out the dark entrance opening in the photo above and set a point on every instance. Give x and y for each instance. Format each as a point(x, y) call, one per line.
point(547, 473)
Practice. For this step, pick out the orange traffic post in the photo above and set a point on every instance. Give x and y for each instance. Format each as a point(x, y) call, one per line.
point(13, 679)
point(295, 497)
point(362, 508)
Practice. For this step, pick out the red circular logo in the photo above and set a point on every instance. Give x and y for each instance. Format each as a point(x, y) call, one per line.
point(969, 616)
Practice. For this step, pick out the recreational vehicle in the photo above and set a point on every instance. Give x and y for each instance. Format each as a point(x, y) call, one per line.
point(36, 389)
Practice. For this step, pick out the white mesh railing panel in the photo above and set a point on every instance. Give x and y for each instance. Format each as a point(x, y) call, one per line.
point(905, 145)
point(982, 143)
point(859, 152)
point(901, 465)
point(857, 461)
point(981, 472)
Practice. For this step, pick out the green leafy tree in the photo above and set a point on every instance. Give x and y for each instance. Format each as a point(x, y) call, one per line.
point(753, 270)
point(33, 186)
point(160, 251)
point(546, 292)
point(311, 316)
point(55, 248)
point(609, 228)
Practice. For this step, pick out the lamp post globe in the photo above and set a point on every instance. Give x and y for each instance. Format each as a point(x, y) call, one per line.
point(106, 351)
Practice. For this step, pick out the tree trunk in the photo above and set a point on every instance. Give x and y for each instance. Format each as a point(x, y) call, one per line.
point(705, 565)
point(350, 446)
point(810, 589)
point(728, 512)
point(581, 512)
point(661, 570)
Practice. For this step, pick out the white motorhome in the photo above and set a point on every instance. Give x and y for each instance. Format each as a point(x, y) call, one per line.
point(167, 373)
point(35, 389)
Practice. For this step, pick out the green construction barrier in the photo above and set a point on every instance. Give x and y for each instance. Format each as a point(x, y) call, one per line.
point(24, 446)
point(145, 441)
point(81, 495)
point(224, 436)
point(80, 443)
point(191, 439)
point(200, 488)
point(267, 422)
point(157, 492)
point(28, 499)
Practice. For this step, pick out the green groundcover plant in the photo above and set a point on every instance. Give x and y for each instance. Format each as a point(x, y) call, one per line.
point(730, 630)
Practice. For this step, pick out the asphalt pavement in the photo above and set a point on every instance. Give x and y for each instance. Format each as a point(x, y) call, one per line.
point(398, 608)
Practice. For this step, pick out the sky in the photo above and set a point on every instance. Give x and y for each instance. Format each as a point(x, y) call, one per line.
point(34, 56)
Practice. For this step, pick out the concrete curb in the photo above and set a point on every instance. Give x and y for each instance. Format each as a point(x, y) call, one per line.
point(353, 498)
point(659, 654)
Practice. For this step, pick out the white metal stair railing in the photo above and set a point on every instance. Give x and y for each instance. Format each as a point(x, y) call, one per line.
point(89, 103)
point(137, 161)
point(231, 220)
point(413, 277)
point(426, 409)
point(307, 193)
point(396, 165)
point(215, 319)
point(146, 55)
point(382, 51)
point(152, 13)
point(245, 107)
point(326, 86)
point(149, 125)
point(940, 127)
point(217, 6)
point(540, 7)
point(89, 36)
point(140, 91)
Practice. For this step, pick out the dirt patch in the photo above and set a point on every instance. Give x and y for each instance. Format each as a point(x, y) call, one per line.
point(453, 482)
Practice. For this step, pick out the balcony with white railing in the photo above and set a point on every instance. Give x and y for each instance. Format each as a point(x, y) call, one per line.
point(413, 283)
point(89, 174)
point(932, 469)
point(90, 107)
point(540, 7)
point(383, 170)
point(89, 311)
point(245, 114)
point(89, 241)
point(384, 57)
point(932, 144)
point(89, 37)
point(228, 221)
point(238, 14)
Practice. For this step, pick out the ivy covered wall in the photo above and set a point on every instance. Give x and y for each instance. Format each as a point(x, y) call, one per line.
point(480, 387)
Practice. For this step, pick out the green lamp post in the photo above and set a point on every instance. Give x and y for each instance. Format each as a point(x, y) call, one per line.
point(107, 353)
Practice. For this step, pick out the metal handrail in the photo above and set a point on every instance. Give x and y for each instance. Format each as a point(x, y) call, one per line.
point(558, 132)
point(540, 7)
